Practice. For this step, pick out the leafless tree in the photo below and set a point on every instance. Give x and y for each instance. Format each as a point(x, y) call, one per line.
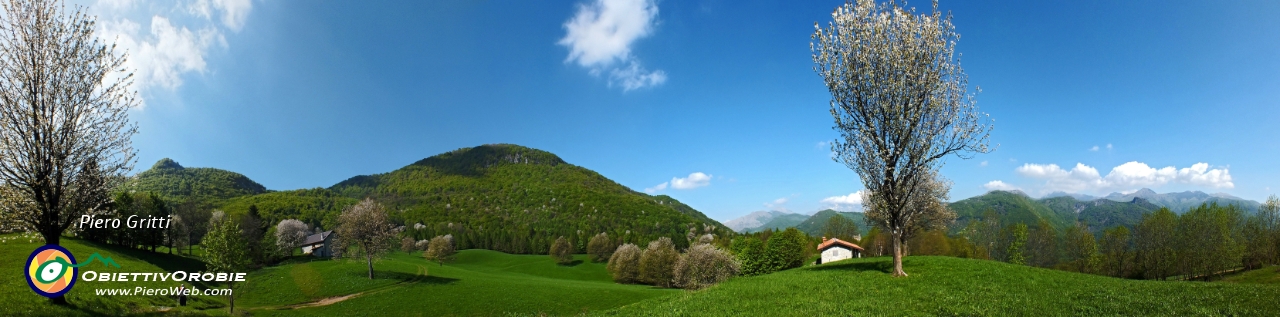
point(900, 101)
point(364, 230)
point(64, 126)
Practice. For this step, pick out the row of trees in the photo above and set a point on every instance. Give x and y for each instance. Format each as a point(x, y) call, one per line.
point(1202, 243)
point(659, 264)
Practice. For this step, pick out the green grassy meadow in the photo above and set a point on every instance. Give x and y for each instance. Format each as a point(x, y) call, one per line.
point(477, 283)
point(953, 286)
point(16, 298)
point(1268, 275)
point(489, 283)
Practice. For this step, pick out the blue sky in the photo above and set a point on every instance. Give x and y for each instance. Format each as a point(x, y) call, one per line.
point(715, 99)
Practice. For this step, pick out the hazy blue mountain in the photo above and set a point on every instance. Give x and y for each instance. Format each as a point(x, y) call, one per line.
point(815, 224)
point(1077, 196)
point(752, 220)
point(780, 221)
point(1181, 202)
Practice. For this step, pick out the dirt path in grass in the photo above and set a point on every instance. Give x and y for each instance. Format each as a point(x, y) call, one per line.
point(421, 273)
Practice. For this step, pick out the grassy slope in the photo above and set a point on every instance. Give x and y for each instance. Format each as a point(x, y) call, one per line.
point(1267, 275)
point(18, 299)
point(953, 286)
point(479, 282)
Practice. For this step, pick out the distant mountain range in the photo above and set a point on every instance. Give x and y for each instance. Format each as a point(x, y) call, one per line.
point(1061, 210)
point(778, 220)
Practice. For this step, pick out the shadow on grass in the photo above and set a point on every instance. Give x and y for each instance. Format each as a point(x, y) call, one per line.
point(882, 266)
point(402, 277)
point(572, 264)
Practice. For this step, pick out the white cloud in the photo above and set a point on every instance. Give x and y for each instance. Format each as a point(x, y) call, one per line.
point(160, 58)
point(234, 12)
point(998, 185)
point(656, 188)
point(173, 43)
point(635, 77)
point(850, 202)
point(1108, 146)
point(1094, 148)
point(983, 164)
point(1127, 176)
point(599, 37)
point(695, 180)
point(823, 145)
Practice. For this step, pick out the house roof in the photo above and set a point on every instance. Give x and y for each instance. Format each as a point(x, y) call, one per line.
point(317, 238)
point(827, 243)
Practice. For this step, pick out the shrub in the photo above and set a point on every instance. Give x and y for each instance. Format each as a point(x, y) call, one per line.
point(422, 245)
point(750, 253)
point(704, 265)
point(786, 250)
point(599, 248)
point(561, 251)
point(624, 264)
point(658, 262)
point(406, 244)
point(440, 249)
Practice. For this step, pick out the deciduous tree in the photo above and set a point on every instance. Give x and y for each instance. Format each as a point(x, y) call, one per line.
point(658, 261)
point(901, 103)
point(600, 247)
point(225, 252)
point(64, 126)
point(441, 249)
point(562, 251)
point(290, 233)
point(365, 231)
point(624, 264)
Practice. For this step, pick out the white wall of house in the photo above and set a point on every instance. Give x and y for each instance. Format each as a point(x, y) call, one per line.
point(837, 253)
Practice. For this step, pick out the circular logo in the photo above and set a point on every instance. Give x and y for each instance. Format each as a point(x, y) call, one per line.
point(51, 270)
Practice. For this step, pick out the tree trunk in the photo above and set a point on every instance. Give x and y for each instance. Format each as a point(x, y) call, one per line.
point(370, 261)
point(897, 255)
point(51, 236)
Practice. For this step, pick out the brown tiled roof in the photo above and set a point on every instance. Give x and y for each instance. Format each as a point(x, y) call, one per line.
point(827, 243)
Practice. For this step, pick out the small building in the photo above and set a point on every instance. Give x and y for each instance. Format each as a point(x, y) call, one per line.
point(318, 244)
point(835, 250)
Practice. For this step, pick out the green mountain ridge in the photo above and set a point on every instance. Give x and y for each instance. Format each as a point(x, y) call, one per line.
point(202, 184)
point(500, 197)
point(816, 224)
point(779, 222)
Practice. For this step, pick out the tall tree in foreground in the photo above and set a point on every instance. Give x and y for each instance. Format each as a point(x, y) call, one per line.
point(64, 126)
point(225, 252)
point(364, 230)
point(900, 101)
point(1155, 242)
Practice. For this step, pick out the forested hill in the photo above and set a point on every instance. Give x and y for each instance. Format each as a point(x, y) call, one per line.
point(207, 185)
point(1060, 212)
point(517, 199)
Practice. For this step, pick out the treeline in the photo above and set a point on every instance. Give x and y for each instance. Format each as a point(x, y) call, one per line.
point(1205, 242)
point(187, 226)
